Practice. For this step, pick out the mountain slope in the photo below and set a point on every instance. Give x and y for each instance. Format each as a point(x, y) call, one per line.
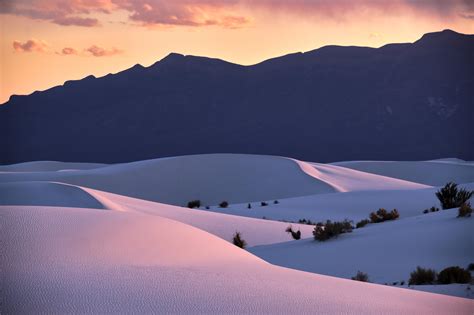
point(397, 102)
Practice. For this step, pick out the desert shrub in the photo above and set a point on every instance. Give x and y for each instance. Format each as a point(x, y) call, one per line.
point(276, 202)
point(263, 204)
point(434, 209)
point(465, 210)
point(383, 215)
point(239, 241)
point(304, 221)
point(249, 206)
point(395, 283)
point(224, 204)
point(426, 211)
point(470, 267)
point(361, 276)
point(325, 231)
point(454, 274)
point(295, 234)
point(402, 282)
point(207, 207)
point(362, 223)
point(422, 276)
point(451, 196)
point(194, 204)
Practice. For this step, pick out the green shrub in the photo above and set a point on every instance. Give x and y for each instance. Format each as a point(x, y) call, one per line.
point(308, 222)
point(276, 202)
point(452, 197)
point(465, 210)
point(454, 274)
point(224, 204)
point(362, 223)
point(422, 276)
point(194, 204)
point(296, 235)
point(263, 204)
point(239, 241)
point(382, 215)
point(426, 211)
point(325, 231)
point(361, 276)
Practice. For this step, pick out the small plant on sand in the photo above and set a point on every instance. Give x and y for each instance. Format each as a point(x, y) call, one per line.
point(308, 222)
point(295, 234)
point(362, 223)
point(454, 274)
point(383, 215)
point(361, 276)
point(470, 267)
point(194, 204)
point(450, 196)
point(239, 241)
point(325, 231)
point(422, 276)
point(465, 210)
point(263, 204)
point(249, 206)
point(224, 204)
point(276, 202)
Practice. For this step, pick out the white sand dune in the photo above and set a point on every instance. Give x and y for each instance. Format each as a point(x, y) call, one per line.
point(48, 166)
point(345, 179)
point(211, 178)
point(68, 260)
point(354, 205)
point(387, 251)
point(433, 173)
point(254, 231)
point(46, 194)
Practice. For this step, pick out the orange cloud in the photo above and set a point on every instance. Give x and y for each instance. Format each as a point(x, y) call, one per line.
point(68, 51)
point(31, 45)
point(223, 13)
point(97, 51)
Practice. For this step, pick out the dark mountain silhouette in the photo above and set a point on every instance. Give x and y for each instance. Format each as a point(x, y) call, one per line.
point(398, 102)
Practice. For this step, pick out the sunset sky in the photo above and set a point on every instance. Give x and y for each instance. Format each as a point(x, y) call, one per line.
point(46, 42)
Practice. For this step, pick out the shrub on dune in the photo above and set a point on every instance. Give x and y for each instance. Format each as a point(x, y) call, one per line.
point(325, 231)
point(422, 276)
point(383, 215)
point(362, 223)
point(224, 204)
point(239, 241)
point(470, 267)
point(454, 274)
point(295, 234)
point(361, 276)
point(276, 202)
point(450, 196)
point(263, 204)
point(194, 204)
point(249, 206)
point(465, 210)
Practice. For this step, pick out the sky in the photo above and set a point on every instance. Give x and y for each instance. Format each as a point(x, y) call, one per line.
point(46, 42)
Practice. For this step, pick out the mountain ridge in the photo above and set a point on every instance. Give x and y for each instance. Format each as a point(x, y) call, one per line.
point(352, 101)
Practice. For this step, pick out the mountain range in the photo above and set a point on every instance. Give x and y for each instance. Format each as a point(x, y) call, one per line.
point(409, 101)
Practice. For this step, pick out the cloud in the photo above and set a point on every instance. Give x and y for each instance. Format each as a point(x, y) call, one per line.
point(31, 45)
point(224, 13)
point(97, 51)
point(68, 51)
point(71, 12)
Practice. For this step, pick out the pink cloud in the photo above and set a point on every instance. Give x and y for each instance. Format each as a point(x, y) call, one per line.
point(31, 45)
point(223, 13)
point(97, 51)
point(68, 51)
